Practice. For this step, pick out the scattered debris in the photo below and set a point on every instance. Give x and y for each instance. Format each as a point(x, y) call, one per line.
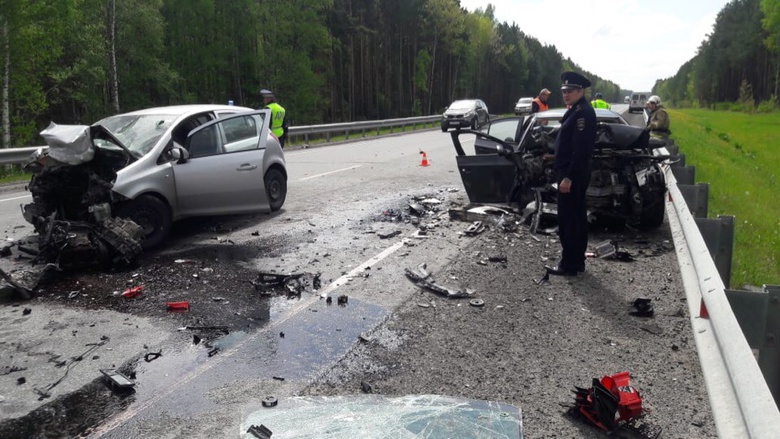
point(387, 235)
point(421, 278)
point(603, 249)
point(417, 209)
point(117, 379)
point(281, 335)
point(543, 279)
point(479, 213)
point(5, 370)
point(497, 258)
point(475, 228)
point(277, 378)
point(5, 251)
point(643, 308)
point(260, 432)
point(204, 328)
point(133, 292)
point(20, 381)
point(652, 328)
point(366, 387)
point(424, 305)
point(270, 401)
point(611, 403)
point(477, 302)
point(25, 292)
point(26, 311)
point(213, 352)
point(343, 300)
point(151, 356)
point(178, 306)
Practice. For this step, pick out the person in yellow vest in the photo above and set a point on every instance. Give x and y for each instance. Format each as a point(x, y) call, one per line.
point(540, 102)
point(599, 102)
point(278, 121)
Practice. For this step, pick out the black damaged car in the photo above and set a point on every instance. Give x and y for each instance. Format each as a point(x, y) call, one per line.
point(513, 163)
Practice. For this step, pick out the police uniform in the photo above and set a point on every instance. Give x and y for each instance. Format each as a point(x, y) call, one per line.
point(573, 156)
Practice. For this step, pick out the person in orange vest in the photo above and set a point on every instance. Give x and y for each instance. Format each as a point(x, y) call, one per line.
point(540, 102)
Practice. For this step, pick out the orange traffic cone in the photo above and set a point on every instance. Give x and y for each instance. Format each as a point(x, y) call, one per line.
point(424, 159)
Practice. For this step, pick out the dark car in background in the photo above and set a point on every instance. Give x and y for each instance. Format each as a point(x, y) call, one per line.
point(465, 113)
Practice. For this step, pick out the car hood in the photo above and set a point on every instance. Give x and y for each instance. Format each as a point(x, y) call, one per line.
point(77, 144)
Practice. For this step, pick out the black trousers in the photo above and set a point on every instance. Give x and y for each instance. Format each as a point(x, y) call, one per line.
point(573, 224)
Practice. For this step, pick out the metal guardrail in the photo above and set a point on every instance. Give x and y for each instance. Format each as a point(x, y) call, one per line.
point(21, 155)
point(741, 401)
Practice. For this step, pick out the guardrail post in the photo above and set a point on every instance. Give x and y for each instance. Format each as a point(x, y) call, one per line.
point(697, 198)
point(718, 234)
point(758, 314)
point(684, 174)
point(677, 160)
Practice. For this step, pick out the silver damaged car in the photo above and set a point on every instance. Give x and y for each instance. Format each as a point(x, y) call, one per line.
point(151, 167)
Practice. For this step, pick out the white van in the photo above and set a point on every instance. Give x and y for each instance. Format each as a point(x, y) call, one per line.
point(638, 101)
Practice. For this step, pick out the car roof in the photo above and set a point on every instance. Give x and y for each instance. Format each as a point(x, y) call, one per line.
point(557, 113)
point(181, 110)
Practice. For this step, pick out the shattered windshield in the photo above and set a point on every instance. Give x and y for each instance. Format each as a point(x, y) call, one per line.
point(138, 133)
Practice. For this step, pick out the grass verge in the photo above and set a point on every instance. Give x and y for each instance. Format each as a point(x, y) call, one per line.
point(738, 154)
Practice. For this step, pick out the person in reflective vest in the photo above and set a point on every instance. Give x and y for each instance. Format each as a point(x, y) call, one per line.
point(658, 123)
point(278, 122)
point(599, 102)
point(540, 102)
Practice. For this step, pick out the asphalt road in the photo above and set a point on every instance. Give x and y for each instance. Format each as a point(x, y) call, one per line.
point(341, 199)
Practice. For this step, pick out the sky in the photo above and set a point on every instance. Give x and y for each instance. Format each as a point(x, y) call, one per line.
point(629, 42)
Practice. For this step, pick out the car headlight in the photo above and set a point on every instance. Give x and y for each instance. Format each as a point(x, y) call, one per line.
point(469, 113)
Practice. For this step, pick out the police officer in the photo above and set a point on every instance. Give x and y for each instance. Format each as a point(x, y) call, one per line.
point(599, 102)
point(278, 122)
point(573, 155)
point(540, 102)
point(658, 122)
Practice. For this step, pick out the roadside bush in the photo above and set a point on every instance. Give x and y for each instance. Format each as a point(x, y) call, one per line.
point(768, 105)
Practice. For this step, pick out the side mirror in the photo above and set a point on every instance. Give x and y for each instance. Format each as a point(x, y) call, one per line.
point(179, 154)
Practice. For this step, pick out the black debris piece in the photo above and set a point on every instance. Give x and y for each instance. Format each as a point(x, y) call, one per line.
point(260, 432)
point(643, 308)
point(387, 235)
point(270, 401)
point(329, 300)
point(277, 378)
point(213, 352)
point(26, 311)
point(622, 256)
point(343, 300)
point(5, 370)
point(20, 381)
point(281, 335)
point(195, 339)
point(497, 258)
point(151, 356)
point(5, 251)
point(255, 233)
point(653, 329)
point(366, 387)
point(207, 328)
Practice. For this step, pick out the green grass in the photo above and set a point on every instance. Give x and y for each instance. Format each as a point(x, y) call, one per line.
point(13, 175)
point(738, 154)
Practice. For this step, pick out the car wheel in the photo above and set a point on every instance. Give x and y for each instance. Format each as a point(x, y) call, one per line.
point(443, 129)
point(276, 188)
point(652, 215)
point(152, 215)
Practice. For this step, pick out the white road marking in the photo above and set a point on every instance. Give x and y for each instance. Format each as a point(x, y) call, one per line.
point(122, 417)
point(328, 173)
point(15, 198)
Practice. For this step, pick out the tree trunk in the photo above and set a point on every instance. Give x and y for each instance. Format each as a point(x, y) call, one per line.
point(430, 80)
point(112, 71)
point(5, 110)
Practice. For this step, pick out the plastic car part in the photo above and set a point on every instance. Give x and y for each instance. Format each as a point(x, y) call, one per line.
point(475, 228)
point(117, 379)
point(261, 431)
point(611, 402)
point(477, 302)
point(270, 401)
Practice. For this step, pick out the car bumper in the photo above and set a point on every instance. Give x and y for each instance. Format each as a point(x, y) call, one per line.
point(455, 123)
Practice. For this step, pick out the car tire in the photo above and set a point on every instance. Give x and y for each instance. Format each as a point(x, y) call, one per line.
point(275, 188)
point(652, 215)
point(152, 214)
point(443, 129)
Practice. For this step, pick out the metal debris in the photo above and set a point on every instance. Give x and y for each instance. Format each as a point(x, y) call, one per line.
point(117, 379)
point(270, 401)
point(260, 432)
point(422, 279)
point(475, 228)
point(387, 235)
point(477, 302)
point(151, 356)
point(643, 307)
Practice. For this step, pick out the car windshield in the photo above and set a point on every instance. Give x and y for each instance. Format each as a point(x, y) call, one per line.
point(138, 133)
point(461, 105)
point(525, 101)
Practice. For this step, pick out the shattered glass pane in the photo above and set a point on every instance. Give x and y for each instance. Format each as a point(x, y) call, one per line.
point(376, 416)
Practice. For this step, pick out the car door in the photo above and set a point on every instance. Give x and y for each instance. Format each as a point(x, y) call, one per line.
point(224, 171)
point(506, 129)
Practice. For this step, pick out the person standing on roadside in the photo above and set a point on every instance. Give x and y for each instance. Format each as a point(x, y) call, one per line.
point(540, 102)
point(599, 102)
point(658, 122)
point(278, 121)
point(573, 157)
